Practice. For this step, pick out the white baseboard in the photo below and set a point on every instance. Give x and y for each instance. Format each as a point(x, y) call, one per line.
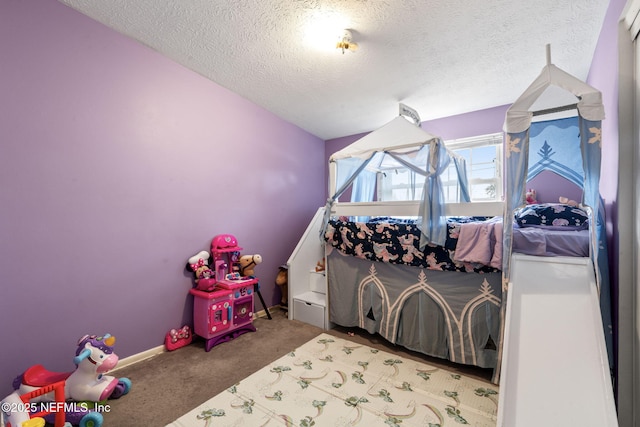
point(144, 355)
point(262, 313)
point(139, 357)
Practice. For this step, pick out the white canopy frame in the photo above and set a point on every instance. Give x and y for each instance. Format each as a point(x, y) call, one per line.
point(410, 147)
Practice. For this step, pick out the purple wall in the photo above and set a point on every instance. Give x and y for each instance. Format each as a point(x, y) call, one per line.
point(117, 164)
point(550, 187)
point(482, 122)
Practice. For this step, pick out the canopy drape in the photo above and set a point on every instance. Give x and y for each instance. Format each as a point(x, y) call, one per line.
point(398, 144)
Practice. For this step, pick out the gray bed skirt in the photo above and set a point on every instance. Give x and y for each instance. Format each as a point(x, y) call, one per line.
point(446, 314)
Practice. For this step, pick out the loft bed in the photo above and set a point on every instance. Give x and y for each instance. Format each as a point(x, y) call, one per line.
point(424, 300)
point(420, 296)
point(444, 304)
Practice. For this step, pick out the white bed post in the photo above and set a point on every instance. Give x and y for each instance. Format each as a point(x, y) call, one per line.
point(548, 54)
point(332, 178)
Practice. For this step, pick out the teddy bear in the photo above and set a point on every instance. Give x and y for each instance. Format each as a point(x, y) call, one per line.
point(205, 276)
point(282, 279)
point(566, 201)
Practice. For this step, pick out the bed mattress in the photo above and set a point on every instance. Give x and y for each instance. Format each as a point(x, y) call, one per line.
point(546, 242)
point(396, 241)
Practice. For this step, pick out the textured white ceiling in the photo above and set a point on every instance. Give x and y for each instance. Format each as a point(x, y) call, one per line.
point(440, 57)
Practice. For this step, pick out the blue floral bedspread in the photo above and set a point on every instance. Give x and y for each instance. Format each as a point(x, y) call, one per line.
point(398, 242)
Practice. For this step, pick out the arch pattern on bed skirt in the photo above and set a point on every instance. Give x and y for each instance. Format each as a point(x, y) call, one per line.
point(468, 308)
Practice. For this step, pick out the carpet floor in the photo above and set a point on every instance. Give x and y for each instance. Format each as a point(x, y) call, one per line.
point(171, 384)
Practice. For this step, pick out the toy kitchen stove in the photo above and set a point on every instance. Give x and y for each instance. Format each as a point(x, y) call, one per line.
point(227, 311)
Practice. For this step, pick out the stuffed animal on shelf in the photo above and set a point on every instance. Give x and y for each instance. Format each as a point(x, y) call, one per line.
point(248, 264)
point(205, 276)
point(531, 196)
point(282, 280)
point(566, 201)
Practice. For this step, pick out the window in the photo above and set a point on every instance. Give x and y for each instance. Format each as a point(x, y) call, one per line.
point(399, 184)
point(484, 165)
point(484, 168)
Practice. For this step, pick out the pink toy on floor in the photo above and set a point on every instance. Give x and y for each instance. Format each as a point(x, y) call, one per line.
point(177, 338)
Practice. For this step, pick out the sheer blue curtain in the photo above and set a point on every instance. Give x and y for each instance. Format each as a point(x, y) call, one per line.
point(363, 189)
point(432, 222)
point(347, 172)
point(516, 166)
point(463, 181)
point(430, 161)
point(516, 154)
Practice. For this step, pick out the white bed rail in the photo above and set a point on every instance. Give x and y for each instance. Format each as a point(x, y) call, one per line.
point(410, 208)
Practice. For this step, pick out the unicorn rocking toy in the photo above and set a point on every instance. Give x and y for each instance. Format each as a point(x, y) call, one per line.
point(87, 385)
point(94, 358)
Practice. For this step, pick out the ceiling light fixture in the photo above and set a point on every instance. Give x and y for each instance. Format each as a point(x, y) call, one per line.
point(321, 29)
point(345, 42)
